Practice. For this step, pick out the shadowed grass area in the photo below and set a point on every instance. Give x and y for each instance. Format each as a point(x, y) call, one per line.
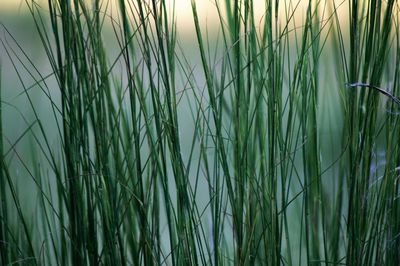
point(272, 142)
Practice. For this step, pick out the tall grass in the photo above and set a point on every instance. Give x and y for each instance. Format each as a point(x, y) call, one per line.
point(277, 146)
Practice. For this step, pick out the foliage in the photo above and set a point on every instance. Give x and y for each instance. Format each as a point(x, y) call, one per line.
point(277, 146)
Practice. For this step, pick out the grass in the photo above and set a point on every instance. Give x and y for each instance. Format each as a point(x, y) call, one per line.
point(277, 146)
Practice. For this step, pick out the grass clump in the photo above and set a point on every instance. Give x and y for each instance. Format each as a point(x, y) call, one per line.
point(273, 143)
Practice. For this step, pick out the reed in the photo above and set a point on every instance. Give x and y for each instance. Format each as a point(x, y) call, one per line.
point(276, 146)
